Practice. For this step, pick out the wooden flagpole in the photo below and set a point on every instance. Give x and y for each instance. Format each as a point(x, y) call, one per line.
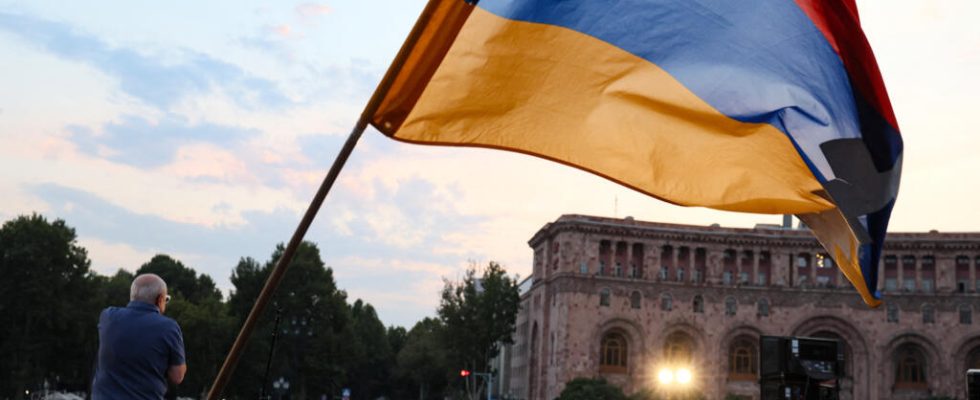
point(272, 283)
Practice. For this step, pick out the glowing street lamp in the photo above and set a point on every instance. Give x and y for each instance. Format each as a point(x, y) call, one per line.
point(683, 376)
point(673, 378)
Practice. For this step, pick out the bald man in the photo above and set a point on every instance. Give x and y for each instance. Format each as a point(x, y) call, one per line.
point(140, 350)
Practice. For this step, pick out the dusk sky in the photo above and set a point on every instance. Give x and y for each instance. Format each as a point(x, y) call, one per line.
point(202, 129)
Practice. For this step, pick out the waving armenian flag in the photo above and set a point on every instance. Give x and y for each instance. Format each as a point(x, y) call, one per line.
point(765, 106)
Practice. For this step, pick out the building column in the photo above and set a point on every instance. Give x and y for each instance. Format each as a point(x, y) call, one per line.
point(755, 266)
point(918, 272)
point(672, 272)
point(691, 253)
point(712, 270)
point(973, 274)
point(651, 260)
point(881, 273)
point(813, 269)
point(791, 273)
point(900, 264)
point(628, 268)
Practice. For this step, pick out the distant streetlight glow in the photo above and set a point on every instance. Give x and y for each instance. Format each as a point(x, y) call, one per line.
point(666, 376)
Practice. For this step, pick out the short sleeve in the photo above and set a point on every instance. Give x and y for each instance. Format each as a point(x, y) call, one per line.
point(176, 343)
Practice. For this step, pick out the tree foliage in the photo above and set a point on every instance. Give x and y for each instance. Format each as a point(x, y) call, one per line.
point(423, 360)
point(591, 389)
point(479, 316)
point(48, 303)
point(313, 334)
point(369, 372)
point(181, 281)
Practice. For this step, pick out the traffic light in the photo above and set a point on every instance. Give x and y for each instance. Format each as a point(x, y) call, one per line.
point(464, 372)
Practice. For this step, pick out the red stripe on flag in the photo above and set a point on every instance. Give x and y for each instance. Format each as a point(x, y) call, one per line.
point(839, 22)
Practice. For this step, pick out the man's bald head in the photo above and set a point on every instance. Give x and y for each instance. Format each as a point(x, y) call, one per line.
point(147, 288)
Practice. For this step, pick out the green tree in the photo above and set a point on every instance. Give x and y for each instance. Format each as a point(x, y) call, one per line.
point(207, 330)
point(479, 315)
point(48, 306)
point(397, 336)
point(314, 333)
point(369, 372)
point(399, 386)
point(115, 289)
point(591, 389)
point(181, 281)
point(423, 359)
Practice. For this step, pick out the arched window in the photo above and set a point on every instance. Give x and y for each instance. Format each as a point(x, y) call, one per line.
point(699, 304)
point(679, 348)
point(604, 297)
point(966, 314)
point(928, 314)
point(731, 306)
point(742, 359)
point(891, 313)
point(613, 353)
point(973, 359)
point(763, 307)
point(910, 367)
point(635, 299)
point(666, 302)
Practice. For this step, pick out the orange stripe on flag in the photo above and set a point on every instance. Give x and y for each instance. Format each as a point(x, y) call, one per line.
point(562, 95)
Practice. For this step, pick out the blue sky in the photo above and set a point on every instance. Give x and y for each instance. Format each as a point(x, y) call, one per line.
point(202, 129)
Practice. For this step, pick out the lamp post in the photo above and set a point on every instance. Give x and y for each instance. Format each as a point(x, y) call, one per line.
point(299, 328)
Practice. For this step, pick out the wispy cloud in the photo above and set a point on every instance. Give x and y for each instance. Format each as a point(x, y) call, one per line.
point(155, 80)
point(312, 10)
point(371, 259)
point(283, 31)
point(420, 216)
point(142, 143)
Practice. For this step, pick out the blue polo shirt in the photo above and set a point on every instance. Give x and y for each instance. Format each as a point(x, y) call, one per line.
point(137, 345)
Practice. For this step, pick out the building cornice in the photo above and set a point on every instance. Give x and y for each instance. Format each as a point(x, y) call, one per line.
point(742, 237)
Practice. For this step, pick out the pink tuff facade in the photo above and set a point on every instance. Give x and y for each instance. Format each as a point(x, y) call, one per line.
point(619, 299)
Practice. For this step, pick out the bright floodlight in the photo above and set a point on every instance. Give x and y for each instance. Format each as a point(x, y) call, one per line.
point(684, 376)
point(666, 376)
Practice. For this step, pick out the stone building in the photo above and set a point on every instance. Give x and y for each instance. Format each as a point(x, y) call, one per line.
point(619, 298)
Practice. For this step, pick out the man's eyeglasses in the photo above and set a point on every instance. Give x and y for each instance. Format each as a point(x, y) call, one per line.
point(167, 299)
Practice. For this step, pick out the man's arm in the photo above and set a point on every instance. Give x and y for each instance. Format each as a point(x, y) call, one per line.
point(176, 373)
point(178, 363)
